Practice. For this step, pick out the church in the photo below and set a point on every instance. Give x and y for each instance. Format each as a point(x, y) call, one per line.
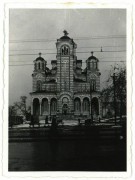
point(66, 89)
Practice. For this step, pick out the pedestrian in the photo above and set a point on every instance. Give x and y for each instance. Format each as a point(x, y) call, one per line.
point(32, 120)
point(99, 119)
point(50, 119)
point(79, 121)
point(54, 123)
point(46, 120)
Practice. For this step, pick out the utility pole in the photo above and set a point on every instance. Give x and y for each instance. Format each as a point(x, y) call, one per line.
point(114, 78)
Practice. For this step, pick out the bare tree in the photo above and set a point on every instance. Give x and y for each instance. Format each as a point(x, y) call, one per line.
point(117, 83)
point(22, 108)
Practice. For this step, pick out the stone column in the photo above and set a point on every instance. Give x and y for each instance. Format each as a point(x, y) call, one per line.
point(40, 104)
point(49, 108)
point(90, 106)
point(81, 106)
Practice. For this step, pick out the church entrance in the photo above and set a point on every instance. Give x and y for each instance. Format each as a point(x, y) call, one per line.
point(65, 109)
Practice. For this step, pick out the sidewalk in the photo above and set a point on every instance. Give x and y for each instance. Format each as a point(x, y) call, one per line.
point(104, 122)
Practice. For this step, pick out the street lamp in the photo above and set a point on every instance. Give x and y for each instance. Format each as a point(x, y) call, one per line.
point(114, 87)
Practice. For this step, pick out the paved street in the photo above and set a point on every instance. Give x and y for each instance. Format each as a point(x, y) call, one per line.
point(70, 148)
point(67, 155)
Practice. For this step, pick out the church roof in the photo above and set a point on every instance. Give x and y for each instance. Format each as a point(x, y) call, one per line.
point(65, 37)
point(92, 57)
point(53, 61)
point(79, 68)
point(78, 61)
point(40, 58)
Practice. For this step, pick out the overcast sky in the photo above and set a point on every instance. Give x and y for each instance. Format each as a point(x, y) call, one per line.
point(86, 27)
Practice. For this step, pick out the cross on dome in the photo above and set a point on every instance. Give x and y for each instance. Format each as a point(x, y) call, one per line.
point(40, 54)
point(92, 53)
point(65, 33)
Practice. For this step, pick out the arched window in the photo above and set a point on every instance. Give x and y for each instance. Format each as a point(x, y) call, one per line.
point(65, 100)
point(86, 104)
point(93, 64)
point(93, 85)
point(53, 105)
point(45, 106)
point(35, 66)
point(65, 50)
point(77, 105)
point(42, 66)
point(36, 107)
point(39, 65)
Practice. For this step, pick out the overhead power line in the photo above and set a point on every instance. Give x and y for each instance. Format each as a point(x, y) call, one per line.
point(117, 57)
point(54, 49)
point(50, 63)
point(56, 53)
point(83, 38)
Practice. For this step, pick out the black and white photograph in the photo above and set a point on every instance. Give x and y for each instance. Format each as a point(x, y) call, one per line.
point(67, 94)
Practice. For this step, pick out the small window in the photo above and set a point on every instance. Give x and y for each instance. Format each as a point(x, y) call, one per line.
point(93, 65)
point(65, 100)
point(93, 85)
point(86, 105)
point(77, 105)
point(53, 105)
point(39, 65)
point(35, 66)
point(42, 66)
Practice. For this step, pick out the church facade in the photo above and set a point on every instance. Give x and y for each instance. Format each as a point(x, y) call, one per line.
point(66, 89)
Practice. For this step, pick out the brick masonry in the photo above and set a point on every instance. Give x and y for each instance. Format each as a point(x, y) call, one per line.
point(65, 82)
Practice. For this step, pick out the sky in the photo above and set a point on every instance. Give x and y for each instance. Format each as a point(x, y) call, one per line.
point(91, 29)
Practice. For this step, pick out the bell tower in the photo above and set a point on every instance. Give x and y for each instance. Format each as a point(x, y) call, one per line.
point(66, 54)
point(93, 74)
point(39, 73)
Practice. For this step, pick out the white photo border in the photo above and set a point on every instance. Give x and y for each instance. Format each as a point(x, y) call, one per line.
point(71, 5)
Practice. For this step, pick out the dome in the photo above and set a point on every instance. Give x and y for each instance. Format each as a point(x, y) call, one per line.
point(40, 58)
point(65, 37)
point(92, 57)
